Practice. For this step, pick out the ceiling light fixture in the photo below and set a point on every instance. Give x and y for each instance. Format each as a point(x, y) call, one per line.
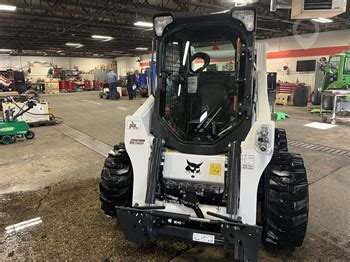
point(102, 37)
point(76, 45)
point(322, 20)
point(141, 48)
point(143, 24)
point(5, 50)
point(7, 8)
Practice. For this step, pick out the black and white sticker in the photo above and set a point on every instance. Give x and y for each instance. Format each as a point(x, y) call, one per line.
point(204, 238)
point(248, 161)
point(136, 141)
point(134, 125)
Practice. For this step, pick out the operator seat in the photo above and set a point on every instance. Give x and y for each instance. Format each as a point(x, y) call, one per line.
point(213, 90)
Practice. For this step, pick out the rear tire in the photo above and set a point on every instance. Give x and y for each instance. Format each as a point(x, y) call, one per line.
point(286, 201)
point(116, 181)
point(324, 119)
point(30, 134)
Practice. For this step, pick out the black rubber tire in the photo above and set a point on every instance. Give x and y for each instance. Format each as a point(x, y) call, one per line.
point(286, 201)
point(116, 181)
point(327, 103)
point(281, 143)
point(30, 134)
point(315, 98)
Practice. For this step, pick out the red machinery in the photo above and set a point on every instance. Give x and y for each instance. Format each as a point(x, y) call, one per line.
point(87, 85)
point(61, 85)
point(287, 88)
point(16, 78)
point(95, 85)
point(66, 86)
point(69, 85)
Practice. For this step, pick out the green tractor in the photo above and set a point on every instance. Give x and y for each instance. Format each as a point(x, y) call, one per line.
point(11, 128)
point(331, 75)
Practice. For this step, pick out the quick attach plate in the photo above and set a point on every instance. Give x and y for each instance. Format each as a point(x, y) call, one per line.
point(141, 225)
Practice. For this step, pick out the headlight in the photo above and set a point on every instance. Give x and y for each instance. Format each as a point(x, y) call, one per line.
point(160, 22)
point(247, 17)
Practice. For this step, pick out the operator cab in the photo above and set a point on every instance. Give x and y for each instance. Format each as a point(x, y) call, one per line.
point(205, 88)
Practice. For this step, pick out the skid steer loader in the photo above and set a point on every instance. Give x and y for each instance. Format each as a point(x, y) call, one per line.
point(202, 160)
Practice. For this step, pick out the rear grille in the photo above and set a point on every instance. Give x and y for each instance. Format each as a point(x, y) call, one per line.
point(317, 4)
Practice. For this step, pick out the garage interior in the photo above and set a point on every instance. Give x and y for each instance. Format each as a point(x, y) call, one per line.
point(58, 53)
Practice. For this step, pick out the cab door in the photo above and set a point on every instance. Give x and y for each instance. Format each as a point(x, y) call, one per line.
point(346, 71)
point(331, 71)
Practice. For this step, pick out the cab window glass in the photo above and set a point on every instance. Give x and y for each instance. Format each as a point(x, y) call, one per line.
point(347, 66)
point(221, 56)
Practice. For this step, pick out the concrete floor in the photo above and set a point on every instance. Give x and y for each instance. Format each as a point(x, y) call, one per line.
point(56, 178)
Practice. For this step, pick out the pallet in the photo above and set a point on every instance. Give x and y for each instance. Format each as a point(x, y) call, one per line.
point(284, 99)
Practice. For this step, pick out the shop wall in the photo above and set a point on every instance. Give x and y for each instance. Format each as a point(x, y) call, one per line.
point(286, 51)
point(39, 64)
point(126, 64)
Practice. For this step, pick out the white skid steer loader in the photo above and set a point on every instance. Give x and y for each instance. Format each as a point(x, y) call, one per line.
point(202, 159)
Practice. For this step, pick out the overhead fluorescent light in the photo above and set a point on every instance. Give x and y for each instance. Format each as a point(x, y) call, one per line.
point(322, 20)
point(102, 37)
point(7, 8)
point(73, 44)
point(141, 48)
point(76, 45)
point(5, 50)
point(143, 24)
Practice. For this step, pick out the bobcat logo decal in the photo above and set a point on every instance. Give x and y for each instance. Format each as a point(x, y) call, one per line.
point(193, 168)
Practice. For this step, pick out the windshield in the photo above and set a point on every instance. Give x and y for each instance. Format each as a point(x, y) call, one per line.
point(334, 63)
point(347, 66)
point(201, 90)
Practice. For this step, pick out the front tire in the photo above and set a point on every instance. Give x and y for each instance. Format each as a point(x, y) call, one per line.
point(116, 181)
point(315, 98)
point(328, 103)
point(286, 201)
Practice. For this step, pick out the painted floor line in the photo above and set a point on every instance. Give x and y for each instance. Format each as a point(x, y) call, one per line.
point(319, 148)
point(103, 148)
point(85, 140)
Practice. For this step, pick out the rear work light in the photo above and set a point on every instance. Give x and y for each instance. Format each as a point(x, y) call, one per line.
point(160, 22)
point(247, 17)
